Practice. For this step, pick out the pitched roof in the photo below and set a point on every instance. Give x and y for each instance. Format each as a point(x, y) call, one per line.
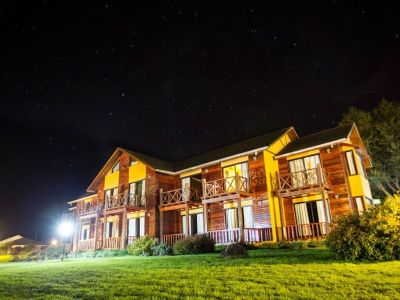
point(254, 143)
point(314, 140)
point(19, 241)
point(168, 166)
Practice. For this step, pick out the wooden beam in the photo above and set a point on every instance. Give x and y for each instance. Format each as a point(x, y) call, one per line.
point(123, 230)
point(187, 220)
point(220, 199)
point(239, 210)
point(205, 216)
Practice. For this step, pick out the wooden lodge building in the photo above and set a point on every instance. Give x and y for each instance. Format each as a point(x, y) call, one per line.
point(277, 186)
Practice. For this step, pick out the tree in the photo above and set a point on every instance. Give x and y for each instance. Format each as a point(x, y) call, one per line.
point(380, 130)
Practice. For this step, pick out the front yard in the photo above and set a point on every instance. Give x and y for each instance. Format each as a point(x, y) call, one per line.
point(305, 274)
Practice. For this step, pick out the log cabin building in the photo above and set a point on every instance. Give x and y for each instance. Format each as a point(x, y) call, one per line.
point(277, 186)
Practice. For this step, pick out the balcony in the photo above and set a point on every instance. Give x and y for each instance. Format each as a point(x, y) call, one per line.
point(226, 189)
point(302, 182)
point(124, 200)
point(87, 208)
point(178, 198)
point(312, 231)
point(84, 245)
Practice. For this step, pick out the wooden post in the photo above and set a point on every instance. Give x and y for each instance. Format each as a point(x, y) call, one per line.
point(105, 231)
point(161, 216)
point(123, 230)
point(205, 217)
point(187, 219)
point(281, 212)
point(320, 175)
point(95, 225)
point(205, 206)
point(77, 234)
point(239, 209)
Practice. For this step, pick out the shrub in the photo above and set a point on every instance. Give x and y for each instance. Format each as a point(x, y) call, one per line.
point(143, 246)
point(235, 250)
point(291, 245)
point(162, 249)
point(51, 252)
point(316, 244)
point(374, 236)
point(194, 245)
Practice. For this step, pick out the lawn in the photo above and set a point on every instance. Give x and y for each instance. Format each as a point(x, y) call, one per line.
point(304, 274)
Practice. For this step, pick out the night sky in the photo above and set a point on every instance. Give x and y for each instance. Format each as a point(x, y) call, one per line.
point(171, 81)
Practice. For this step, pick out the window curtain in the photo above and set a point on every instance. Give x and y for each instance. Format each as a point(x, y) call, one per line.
point(200, 223)
point(248, 217)
point(132, 227)
point(141, 226)
point(231, 221)
point(296, 168)
point(184, 227)
point(185, 182)
point(360, 205)
point(350, 163)
point(360, 163)
point(244, 172)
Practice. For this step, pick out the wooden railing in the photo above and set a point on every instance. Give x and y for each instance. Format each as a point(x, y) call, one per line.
point(256, 235)
point(225, 186)
point(131, 239)
point(258, 181)
point(123, 199)
point(228, 236)
point(112, 242)
point(84, 245)
point(86, 207)
point(301, 179)
point(304, 231)
point(170, 239)
point(179, 196)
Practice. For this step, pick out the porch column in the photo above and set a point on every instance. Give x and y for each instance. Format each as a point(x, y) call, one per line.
point(105, 231)
point(96, 220)
point(239, 209)
point(205, 217)
point(123, 230)
point(281, 213)
point(77, 234)
point(161, 225)
point(187, 219)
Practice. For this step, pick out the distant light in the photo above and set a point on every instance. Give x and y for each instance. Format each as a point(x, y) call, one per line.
point(65, 229)
point(54, 242)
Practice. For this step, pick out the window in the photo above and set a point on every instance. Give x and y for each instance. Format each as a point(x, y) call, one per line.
point(109, 195)
point(231, 221)
point(350, 163)
point(115, 168)
point(110, 230)
point(133, 161)
point(85, 232)
point(196, 224)
point(136, 227)
point(230, 172)
point(360, 164)
point(304, 170)
point(310, 213)
point(248, 220)
point(137, 192)
point(360, 205)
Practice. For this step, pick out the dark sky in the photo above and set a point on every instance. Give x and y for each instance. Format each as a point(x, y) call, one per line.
point(171, 81)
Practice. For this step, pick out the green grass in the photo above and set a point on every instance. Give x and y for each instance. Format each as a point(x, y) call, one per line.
point(269, 273)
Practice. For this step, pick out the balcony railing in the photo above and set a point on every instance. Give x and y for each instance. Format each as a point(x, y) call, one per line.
point(225, 186)
point(308, 178)
point(123, 199)
point(112, 242)
point(84, 245)
point(304, 231)
point(179, 196)
point(170, 239)
point(86, 207)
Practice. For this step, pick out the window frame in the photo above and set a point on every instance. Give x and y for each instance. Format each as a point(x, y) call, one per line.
point(354, 163)
point(113, 167)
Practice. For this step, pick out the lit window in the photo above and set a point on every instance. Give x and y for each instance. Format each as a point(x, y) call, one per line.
point(133, 161)
point(360, 205)
point(115, 168)
point(350, 163)
point(360, 164)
